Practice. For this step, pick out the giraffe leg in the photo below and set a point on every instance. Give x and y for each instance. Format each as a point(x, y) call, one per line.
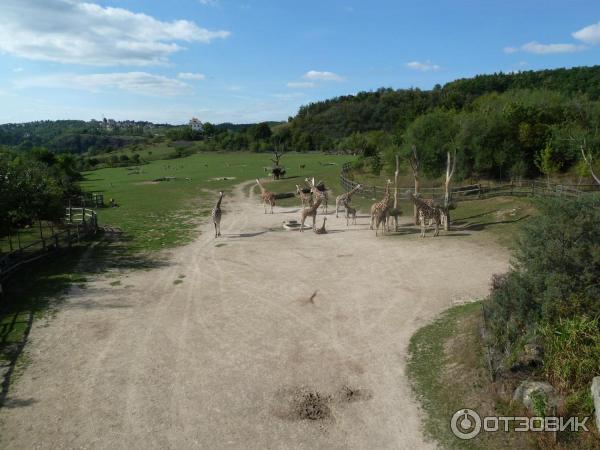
point(215, 229)
point(337, 207)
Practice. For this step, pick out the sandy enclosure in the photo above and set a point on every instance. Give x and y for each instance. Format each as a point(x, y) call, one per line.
point(271, 339)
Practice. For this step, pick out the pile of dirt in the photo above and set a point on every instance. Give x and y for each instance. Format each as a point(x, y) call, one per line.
point(312, 405)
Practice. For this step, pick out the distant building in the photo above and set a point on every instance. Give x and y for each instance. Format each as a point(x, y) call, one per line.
point(196, 125)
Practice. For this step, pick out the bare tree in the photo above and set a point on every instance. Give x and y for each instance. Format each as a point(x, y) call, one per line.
point(586, 153)
point(278, 171)
point(450, 166)
point(415, 166)
point(589, 159)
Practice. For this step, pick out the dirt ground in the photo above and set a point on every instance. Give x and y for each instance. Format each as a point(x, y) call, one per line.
point(261, 339)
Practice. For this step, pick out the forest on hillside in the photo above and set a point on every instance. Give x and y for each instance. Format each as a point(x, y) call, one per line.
point(501, 126)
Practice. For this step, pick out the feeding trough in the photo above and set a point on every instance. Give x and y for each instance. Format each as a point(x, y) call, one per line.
point(293, 225)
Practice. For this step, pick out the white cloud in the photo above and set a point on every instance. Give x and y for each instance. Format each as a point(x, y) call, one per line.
point(545, 49)
point(316, 75)
point(208, 2)
point(301, 84)
point(423, 66)
point(135, 82)
point(73, 32)
point(589, 34)
point(191, 76)
point(290, 96)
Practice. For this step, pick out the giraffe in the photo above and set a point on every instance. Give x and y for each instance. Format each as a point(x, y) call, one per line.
point(345, 198)
point(266, 196)
point(380, 210)
point(311, 211)
point(434, 204)
point(318, 193)
point(216, 215)
point(426, 212)
point(350, 213)
point(305, 198)
point(321, 230)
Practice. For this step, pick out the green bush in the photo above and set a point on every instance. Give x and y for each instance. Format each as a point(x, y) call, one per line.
point(555, 272)
point(571, 352)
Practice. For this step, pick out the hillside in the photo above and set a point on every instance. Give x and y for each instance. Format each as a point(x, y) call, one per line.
point(393, 110)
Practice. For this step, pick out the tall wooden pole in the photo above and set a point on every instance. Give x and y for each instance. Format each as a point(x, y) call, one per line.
point(396, 173)
point(414, 164)
point(450, 166)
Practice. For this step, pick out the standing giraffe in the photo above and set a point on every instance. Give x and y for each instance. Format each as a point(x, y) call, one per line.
point(311, 211)
point(350, 213)
point(266, 196)
point(318, 193)
point(305, 198)
point(425, 212)
point(216, 215)
point(345, 198)
point(380, 210)
point(322, 230)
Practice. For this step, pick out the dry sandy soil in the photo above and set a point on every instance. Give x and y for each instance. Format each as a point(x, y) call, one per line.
point(273, 339)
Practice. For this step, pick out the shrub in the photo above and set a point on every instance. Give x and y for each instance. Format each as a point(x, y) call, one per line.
point(571, 352)
point(555, 272)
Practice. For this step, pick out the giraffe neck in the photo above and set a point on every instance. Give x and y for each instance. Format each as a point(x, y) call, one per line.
point(316, 205)
point(219, 201)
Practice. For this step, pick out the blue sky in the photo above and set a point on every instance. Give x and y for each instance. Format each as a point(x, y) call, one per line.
point(253, 60)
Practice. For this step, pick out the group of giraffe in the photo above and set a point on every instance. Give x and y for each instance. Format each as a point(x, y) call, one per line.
point(381, 211)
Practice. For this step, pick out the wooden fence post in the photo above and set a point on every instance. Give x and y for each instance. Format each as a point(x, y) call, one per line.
point(42, 235)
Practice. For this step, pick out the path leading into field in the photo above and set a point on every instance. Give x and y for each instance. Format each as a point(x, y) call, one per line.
point(272, 339)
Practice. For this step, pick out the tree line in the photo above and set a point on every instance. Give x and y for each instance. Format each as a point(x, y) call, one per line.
point(34, 185)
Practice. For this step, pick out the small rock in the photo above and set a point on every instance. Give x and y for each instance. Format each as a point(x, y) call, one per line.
point(531, 356)
point(526, 391)
point(596, 398)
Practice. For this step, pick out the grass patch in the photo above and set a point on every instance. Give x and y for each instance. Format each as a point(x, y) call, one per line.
point(160, 214)
point(448, 372)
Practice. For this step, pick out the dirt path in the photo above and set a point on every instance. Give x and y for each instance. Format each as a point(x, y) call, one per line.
point(268, 330)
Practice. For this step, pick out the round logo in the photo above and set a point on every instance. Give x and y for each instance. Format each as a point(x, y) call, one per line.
point(465, 424)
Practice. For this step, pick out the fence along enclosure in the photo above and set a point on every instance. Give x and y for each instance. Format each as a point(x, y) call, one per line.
point(477, 191)
point(79, 222)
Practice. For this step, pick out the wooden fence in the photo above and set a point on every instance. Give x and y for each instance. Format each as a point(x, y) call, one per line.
point(79, 222)
point(477, 191)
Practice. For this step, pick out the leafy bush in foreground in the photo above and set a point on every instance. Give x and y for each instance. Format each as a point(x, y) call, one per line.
point(555, 275)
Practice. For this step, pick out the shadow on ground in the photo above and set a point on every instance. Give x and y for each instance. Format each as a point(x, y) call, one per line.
point(38, 287)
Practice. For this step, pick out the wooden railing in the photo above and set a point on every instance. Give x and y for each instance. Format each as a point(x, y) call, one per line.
point(477, 191)
point(79, 222)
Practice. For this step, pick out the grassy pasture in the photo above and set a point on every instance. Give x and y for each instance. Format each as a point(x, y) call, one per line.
point(162, 214)
point(157, 215)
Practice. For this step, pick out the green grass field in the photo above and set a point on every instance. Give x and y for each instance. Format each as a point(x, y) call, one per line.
point(161, 214)
point(157, 215)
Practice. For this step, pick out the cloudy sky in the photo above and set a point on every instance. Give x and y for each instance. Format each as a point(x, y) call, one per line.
point(253, 60)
